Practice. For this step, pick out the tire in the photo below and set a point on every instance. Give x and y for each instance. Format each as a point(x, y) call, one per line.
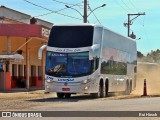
point(60, 95)
point(128, 88)
point(67, 95)
point(100, 93)
point(106, 88)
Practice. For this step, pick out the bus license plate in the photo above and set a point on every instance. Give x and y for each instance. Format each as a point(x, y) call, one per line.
point(65, 89)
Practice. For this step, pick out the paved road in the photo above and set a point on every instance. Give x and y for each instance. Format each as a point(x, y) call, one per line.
point(86, 103)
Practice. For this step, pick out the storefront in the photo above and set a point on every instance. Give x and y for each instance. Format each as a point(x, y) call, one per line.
point(25, 40)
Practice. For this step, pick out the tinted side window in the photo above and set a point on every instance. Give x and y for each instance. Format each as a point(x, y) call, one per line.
point(114, 68)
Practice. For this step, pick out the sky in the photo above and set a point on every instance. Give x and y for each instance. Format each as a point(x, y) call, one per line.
point(113, 16)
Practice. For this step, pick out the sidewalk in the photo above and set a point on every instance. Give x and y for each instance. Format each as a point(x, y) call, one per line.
point(22, 95)
point(15, 90)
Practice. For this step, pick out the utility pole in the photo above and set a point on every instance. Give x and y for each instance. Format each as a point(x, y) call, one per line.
point(85, 12)
point(130, 23)
point(85, 15)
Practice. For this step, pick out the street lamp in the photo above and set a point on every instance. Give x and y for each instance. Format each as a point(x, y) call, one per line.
point(85, 16)
point(73, 9)
point(96, 9)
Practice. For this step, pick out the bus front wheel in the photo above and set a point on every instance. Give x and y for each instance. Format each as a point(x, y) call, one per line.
point(60, 95)
point(67, 95)
point(100, 93)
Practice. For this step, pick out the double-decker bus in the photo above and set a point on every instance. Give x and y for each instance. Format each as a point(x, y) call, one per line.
point(89, 59)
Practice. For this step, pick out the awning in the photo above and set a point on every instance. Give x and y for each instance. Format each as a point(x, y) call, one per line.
point(11, 56)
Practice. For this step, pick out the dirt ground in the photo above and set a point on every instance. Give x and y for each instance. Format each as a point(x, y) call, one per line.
point(152, 76)
point(21, 100)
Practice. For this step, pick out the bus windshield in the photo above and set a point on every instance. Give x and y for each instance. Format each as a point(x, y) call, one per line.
point(68, 64)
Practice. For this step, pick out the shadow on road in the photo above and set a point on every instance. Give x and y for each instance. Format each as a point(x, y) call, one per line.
point(73, 98)
point(79, 97)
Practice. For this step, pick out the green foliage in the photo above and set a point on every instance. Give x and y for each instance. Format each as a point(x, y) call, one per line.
point(139, 54)
point(153, 56)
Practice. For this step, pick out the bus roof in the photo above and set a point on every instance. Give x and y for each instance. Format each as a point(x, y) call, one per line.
point(81, 24)
point(94, 25)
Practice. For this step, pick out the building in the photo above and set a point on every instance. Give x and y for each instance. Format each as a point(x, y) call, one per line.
point(21, 36)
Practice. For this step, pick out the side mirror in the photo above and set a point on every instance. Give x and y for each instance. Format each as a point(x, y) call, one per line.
point(41, 51)
point(92, 51)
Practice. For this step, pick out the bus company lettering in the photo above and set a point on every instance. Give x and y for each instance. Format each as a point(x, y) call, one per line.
point(65, 79)
point(49, 77)
point(67, 50)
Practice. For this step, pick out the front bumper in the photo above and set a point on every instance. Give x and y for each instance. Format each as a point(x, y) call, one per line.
point(71, 87)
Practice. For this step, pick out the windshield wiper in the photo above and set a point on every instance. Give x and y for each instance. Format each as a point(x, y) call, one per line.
point(60, 68)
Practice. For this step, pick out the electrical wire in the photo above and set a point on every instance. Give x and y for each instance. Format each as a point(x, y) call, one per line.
point(125, 10)
point(78, 5)
point(127, 6)
point(131, 9)
point(94, 14)
point(63, 2)
point(146, 35)
point(133, 5)
point(147, 38)
point(57, 12)
point(136, 10)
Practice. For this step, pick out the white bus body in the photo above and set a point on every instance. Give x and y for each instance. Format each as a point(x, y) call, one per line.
point(89, 59)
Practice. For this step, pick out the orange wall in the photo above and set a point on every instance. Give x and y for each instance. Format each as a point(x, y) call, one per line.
point(8, 81)
point(33, 47)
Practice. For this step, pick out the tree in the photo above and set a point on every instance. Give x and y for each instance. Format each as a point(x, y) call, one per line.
point(139, 54)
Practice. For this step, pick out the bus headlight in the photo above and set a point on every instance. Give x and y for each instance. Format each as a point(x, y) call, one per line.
point(49, 81)
point(47, 87)
point(85, 81)
point(86, 88)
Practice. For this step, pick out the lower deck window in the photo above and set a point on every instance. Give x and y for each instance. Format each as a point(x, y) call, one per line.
point(113, 67)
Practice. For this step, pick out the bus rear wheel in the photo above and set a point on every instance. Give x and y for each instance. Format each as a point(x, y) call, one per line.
point(60, 95)
point(128, 88)
point(106, 88)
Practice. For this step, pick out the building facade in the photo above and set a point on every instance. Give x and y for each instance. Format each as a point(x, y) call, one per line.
point(21, 34)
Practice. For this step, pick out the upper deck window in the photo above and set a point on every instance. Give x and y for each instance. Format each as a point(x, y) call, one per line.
point(71, 36)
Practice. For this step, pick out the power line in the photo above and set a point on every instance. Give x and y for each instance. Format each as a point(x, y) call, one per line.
point(126, 10)
point(146, 38)
point(57, 12)
point(37, 5)
point(133, 5)
point(136, 9)
point(63, 2)
point(127, 6)
point(121, 6)
point(94, 14)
